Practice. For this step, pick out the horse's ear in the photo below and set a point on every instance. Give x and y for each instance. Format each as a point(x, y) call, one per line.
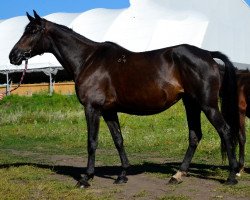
point(30, 17)
point(37, 17)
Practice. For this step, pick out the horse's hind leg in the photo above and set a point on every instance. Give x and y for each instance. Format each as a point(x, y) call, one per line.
point(242, 141)
point(193, 117)
point(112, 121)
point(215, 117)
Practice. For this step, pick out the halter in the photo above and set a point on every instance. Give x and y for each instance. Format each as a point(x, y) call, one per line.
point(21, 79)
point(27, 55)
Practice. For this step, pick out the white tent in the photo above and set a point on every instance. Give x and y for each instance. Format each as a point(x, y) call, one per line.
point(222, 25)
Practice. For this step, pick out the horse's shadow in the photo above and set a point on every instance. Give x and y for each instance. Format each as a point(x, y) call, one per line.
point(202, 171)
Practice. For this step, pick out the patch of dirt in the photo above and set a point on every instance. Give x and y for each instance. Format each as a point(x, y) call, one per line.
point(143, 186)
point(145, 182)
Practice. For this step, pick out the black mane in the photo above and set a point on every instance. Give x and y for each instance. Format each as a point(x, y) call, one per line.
point(71, 31)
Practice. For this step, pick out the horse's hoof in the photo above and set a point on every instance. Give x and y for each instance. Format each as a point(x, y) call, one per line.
point(82, 184)
point(175, 181)
point(121, 179)
point(231, 182)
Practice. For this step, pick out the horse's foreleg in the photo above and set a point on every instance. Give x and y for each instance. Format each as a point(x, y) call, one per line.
point(112, 121)
point(193, 117)
point(93, 121)
point(242, 141)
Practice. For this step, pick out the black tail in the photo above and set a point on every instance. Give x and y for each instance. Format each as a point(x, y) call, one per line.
point(229, 99)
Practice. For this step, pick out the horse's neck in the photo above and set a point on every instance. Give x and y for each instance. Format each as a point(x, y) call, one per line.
point(71, 49)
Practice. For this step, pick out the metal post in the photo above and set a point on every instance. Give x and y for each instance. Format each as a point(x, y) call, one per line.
point(7, 84)
point(50, 84)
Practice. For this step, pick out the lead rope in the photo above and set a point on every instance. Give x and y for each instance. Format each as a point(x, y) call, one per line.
point(21, 79)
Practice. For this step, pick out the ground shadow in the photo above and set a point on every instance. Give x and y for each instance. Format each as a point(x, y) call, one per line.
point(202, 171)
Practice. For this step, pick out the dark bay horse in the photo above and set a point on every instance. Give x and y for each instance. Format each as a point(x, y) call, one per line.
point(243, 79)
point(243, 86)
point(110, 79)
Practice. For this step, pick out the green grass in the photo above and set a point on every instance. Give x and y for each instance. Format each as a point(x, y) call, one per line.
point(55, 125)
point(240, 190)
point(181, 197)
point(27, 182)
point(141, 194)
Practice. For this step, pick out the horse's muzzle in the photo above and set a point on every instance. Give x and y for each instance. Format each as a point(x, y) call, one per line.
point(16, 57)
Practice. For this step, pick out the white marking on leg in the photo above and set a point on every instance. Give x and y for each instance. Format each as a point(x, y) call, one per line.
point(178, 175)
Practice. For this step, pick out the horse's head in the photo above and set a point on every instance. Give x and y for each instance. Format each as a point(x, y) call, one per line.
point(32, 41)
